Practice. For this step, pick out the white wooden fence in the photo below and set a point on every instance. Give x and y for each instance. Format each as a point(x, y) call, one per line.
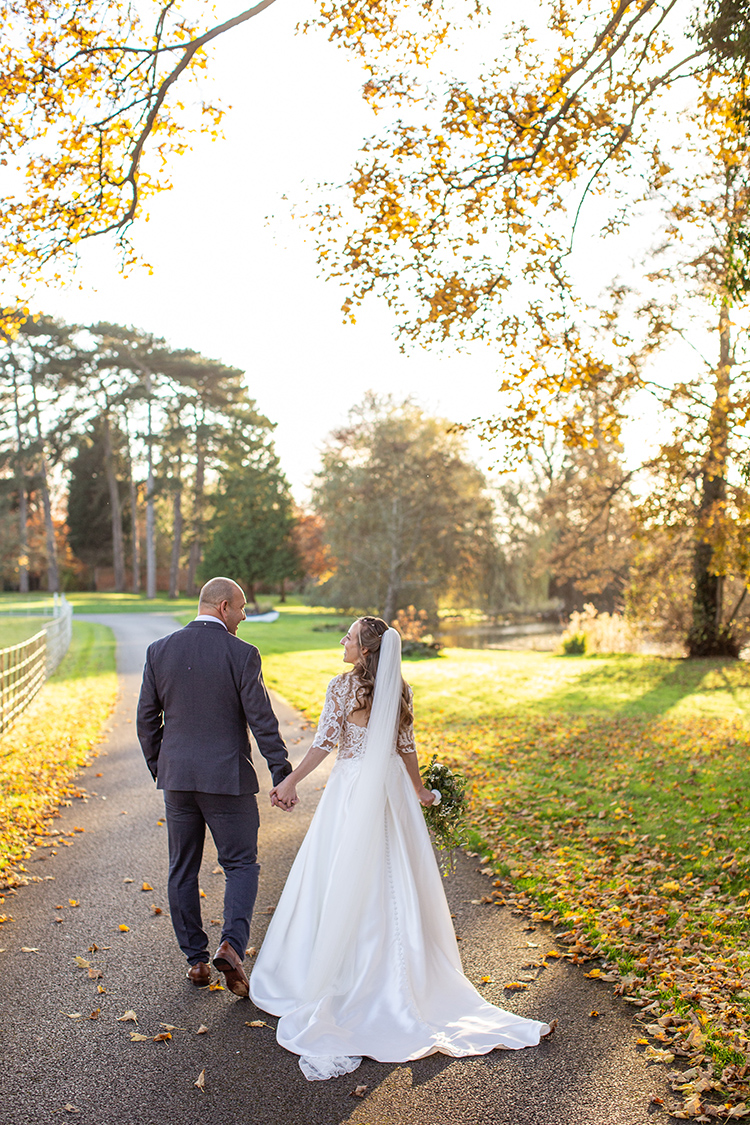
point(24, 667)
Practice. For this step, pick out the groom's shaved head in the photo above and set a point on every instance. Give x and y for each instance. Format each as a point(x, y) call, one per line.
point(218, 590)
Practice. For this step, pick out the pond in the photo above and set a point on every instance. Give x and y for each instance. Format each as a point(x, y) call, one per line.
point(535, 635)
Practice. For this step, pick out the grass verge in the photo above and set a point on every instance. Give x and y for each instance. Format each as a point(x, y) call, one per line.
point(13, 630)
point(41, 753)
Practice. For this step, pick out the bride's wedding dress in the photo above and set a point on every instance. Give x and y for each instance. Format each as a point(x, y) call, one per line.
point(360, 957)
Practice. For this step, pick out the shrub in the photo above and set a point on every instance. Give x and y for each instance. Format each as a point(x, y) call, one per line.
point(590, 631)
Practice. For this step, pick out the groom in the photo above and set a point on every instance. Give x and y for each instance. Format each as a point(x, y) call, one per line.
point(202, 687)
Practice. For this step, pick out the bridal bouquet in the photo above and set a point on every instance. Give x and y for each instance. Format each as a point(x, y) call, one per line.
point(446, 820)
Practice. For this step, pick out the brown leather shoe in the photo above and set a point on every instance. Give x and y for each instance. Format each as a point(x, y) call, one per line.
point(228, 962)
point(199, 974)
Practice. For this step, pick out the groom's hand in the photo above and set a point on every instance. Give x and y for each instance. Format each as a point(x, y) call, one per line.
point(284, 796)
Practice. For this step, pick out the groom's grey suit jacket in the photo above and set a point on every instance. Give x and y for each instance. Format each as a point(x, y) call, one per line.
point(202, 687)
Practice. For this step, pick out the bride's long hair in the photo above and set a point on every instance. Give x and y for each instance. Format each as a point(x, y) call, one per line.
point(371, 630)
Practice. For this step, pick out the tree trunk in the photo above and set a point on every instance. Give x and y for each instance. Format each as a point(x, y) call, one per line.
point(118, 552)
point(53, 573)
point(174, 567)
point(135, 585)
point(150, 517)
point(197, 537)
point(23, 530)
point(394, 567)
point(707, 636)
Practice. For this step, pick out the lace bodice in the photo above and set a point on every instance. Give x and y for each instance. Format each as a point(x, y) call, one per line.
point(336, 728)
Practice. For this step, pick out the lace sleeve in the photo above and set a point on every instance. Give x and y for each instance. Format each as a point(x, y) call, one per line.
point(331, 718)
point(405, 737)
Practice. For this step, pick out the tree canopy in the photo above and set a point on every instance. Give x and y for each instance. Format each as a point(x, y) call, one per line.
point(93, 110)
point(406, 514)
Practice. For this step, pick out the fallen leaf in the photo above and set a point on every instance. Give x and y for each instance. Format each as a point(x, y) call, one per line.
point(95, 974)
point(147, 887)
point(214, 921)
point(74, 1015)
point(172, 1027)
point(70, 1108)
point(217, 871)
point(216, 987)
point(256, 1023)
point(202, 1029)
point(93, 948)
point(123, 928)
point(200, 1081)
point(162, 1036)
point(95, 1014)
point(693, 1106)
point(100, 988)
point(128, 880)
point(129, 1015)
point(202, 894)
point(155, 909)
point(82, 963)
point(76, 829)
point(515, 986)
point(486, 980)
point(29, 949)
point(74, 902)
point(657, 1054)
point(594, 1015)
point(358, 1092)
point(136, 1037)
point(251, 951)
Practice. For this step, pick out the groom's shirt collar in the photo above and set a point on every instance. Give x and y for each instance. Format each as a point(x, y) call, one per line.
point(210, 617)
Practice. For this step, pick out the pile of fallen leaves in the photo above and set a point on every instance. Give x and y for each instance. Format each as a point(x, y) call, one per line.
point(41, 754)
point(631, 835)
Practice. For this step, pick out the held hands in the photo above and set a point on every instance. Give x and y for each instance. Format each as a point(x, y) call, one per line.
point(284, 795)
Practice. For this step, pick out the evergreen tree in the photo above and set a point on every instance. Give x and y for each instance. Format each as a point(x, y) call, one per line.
point(89, 508)
point(250, 532)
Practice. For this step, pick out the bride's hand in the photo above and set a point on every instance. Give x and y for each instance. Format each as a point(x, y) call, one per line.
point(284, 795)
point(426, 797)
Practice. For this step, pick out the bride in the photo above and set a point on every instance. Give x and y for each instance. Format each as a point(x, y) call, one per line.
point(360, 957)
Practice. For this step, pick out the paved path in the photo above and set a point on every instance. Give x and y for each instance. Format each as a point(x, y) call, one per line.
point(589, 1073)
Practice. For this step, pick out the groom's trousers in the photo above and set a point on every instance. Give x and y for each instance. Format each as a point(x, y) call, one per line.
point(233, 822)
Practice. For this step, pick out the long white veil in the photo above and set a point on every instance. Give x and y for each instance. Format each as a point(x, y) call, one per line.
point(333, 960)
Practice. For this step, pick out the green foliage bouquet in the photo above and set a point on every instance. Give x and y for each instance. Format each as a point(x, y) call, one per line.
point(446, 820)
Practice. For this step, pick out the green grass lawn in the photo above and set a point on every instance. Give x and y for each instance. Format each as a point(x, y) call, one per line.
point(90, 602)
point(14, 629)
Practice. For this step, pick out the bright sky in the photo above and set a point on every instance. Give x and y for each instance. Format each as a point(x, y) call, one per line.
point(244, 289)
